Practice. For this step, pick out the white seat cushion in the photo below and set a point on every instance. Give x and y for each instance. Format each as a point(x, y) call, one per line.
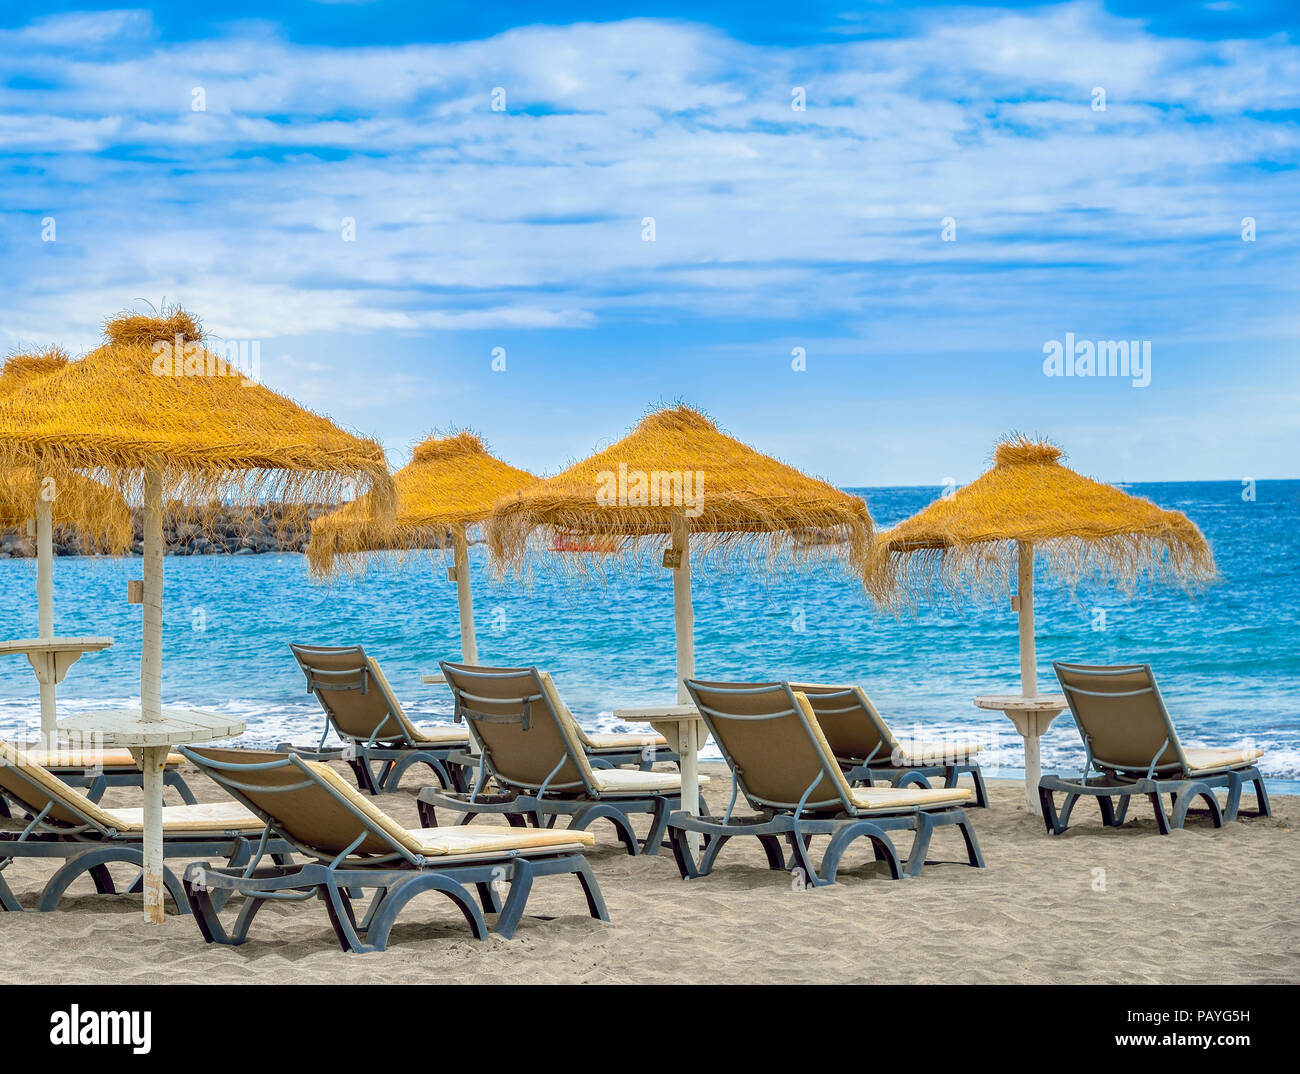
point(931, 754)
point(1215, 760)
point(443, 736)
point(206, 817)
point(630, 781)
point(472, 839)
point(623, 741)
point(887, 798)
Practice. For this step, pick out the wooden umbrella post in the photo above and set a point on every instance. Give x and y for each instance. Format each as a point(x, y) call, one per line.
point(464, 595)
point(683, 612)
point(153, 758)
point(684, 619)
point(1025, 604)
point(45, 607)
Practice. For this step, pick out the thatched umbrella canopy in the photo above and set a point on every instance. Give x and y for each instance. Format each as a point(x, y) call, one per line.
point(677, 481)
point(449, 486)
point(98, 513)
point(1029, 503)
point(153, 414)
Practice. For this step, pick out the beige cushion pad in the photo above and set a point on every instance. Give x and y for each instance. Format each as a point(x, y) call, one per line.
point(207, 817)
point(1213, 760)
point(468, 839)
point(887, 798)
point(628, 741)
point(629, 781)
point(441, 735)
point(79, 760)
point(930, 754)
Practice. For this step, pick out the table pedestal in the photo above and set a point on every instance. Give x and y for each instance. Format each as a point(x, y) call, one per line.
point(150, 742)
point(1032, 717)
point(686, 734)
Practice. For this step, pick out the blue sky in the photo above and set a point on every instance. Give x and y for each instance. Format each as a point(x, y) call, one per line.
point(774, 228)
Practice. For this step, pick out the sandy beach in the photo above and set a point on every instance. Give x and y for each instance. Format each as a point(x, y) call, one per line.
point(1093, 906)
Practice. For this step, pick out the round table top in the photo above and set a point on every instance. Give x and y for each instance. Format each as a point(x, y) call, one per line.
point(126, 727)
point(1020, 703)
point(55, 645)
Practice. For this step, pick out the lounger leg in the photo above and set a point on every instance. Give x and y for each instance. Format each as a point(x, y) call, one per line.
point(1233, 803)
point(381, 923)
point(714, 848)
point(1263, 808)
point(1047, 800)
point(595, 900)
point(365, 778)
point(658, 827)
point(1107, 810)
point(1162, 822)
point(8, 901)
point(489, 897)
point(882, 845)
point(1188, 796)
point(973, 853)
point(686, 864)
point(603, 811)
point(521, 885)
point(96, 790)
point(920, 845)
point(772, 848)
point(176, 783)
point(910, 779)
point(1121, 809)
point(981, 791)
point(799, 849)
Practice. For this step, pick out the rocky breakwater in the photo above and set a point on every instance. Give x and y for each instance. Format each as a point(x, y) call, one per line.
point(268, 529)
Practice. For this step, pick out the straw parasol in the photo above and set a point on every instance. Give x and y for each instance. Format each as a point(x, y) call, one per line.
point(449, 486)
point(98, 513)
point(155, 416)
point(1027, 504)
point(677, 481)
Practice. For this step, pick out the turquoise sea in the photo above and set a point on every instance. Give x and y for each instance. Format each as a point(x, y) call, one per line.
point(1228, 658)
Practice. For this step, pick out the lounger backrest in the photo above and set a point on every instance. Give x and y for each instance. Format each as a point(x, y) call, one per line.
point(1120, 714)
point(852, 725)
point(527, 734)
point(35, 788)
point(306, 802)
point(353, 692)
point(769, 735)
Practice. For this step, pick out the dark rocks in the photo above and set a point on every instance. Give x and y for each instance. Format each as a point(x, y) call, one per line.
point(267, 529)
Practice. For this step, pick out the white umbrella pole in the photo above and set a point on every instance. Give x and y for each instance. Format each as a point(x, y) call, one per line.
point(684, 619)
point(45, 608)
point(153, 758)
point(1025, 591)
point(464, 597)
point(683, 612)
point(1029, 670)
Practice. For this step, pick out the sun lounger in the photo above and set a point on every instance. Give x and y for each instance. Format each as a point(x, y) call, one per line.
point(61, 822)
point(533, 752)
point(1132, 748)
point(364, 712)
point(868, 750)
point(353, 845)
point(783, 764)
point(97, 770)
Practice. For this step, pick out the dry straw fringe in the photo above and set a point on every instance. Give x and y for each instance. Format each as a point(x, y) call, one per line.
point(451, 481)
point(755, 513)
point(223, 445)
point(965, 546)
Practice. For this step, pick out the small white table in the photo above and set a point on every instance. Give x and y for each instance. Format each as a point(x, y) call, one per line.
point(50, 659)
point(1032, 717)
point(150, 742)
point(686, 733)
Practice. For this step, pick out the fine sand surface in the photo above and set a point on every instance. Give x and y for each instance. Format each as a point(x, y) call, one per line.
point(1096, 905)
